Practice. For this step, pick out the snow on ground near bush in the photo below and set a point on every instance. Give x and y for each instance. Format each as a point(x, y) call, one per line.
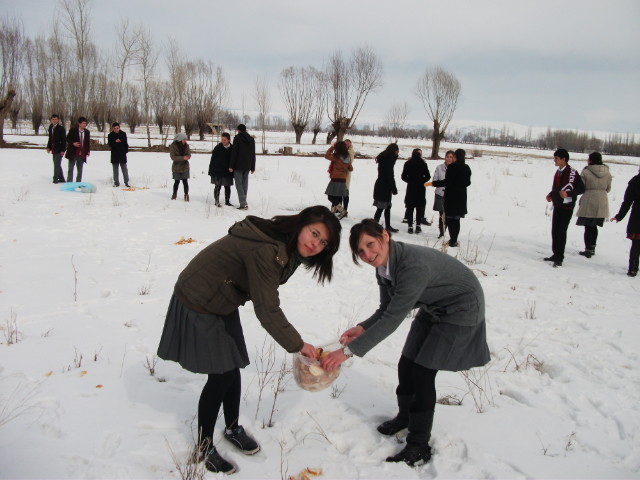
point(560, 398)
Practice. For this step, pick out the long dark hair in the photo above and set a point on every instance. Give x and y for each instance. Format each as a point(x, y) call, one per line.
point(460, 155)
point(595, 158)
point(417, 154)
point(391, 151)
point(367, 226)
point(291, 225)
point(340, 149)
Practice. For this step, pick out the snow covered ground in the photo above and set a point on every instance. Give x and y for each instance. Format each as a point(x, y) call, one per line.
point(87, 279)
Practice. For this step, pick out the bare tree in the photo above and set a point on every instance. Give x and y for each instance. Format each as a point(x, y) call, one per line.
point(60, 70)
point(207, 91)
point(11, 49)
point(160, 103)
point(131, 110)
point(319, 103)
point(394, 120)
point(298, 87)
point(262, 97)
point(349, 85)
point(36, 79)
point(440, 92)
point(178, 78)
point(125, 52)
point(146, 59)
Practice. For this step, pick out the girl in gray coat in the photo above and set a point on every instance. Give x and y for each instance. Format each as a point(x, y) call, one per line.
point(594, 204)
point(448, 332)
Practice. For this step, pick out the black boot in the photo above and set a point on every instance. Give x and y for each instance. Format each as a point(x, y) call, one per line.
point(417, 450)
point(588, 252)
point(401, 421)
point(633, 268)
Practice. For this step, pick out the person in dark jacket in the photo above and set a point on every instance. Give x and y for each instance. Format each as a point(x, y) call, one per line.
point(219, 170)
point(56, 145)
point(563, 196)
point(117, 140)
point(180, 154)
point(632, 201)
point(78, 148)
point(385, 185)
point(202, 330)
point(448, 333)
point(456, 181)
point(415, 173)
point(243, 161)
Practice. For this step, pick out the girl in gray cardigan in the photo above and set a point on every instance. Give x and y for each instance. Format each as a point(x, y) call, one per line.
point(448, 332)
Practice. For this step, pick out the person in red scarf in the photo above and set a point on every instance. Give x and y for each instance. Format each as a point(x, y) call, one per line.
point(78, 149)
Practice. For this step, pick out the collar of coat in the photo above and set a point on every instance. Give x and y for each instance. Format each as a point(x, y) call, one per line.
point(248, 230)
point(395, 249)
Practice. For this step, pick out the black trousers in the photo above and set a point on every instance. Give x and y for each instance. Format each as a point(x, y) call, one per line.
point(227, 192)
point(634, 253)
point(419, 215)
point(559, 225)
point(58, 176)
point(185, 186)
point(453, 224)
point(220, 389)
point(590, 236)
point(414, 379)
point(387, 216)
point(345, 202)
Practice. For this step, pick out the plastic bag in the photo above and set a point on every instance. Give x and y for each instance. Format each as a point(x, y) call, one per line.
point(308, 373)
point(85, 187)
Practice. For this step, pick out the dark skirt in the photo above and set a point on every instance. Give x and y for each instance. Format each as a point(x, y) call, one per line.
point(202, 342)
point(444, 346)
point(382, 205)
point(438, 203)
point(181, 176)
point(633, 236)
point(222, 181)
point(590, 222)
point(337, 189)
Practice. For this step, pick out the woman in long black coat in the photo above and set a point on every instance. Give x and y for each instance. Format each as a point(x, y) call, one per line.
point(632, 197)
point(219, 170)
point(415, 173)
point(456, 181)
point(385, 185)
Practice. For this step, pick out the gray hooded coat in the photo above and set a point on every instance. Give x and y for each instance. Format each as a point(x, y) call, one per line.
point(594, 203)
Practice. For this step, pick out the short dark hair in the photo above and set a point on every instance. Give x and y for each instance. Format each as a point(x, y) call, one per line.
point(291, 225)
point(226, 135)
point(595, 158)
point(367, 226)
point(562, 153)
point(55, 115)
point(450, 152)
point(242, 127)
point(115, 124)
point(82, 119)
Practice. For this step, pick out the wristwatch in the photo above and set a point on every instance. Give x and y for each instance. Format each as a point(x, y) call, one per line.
point(347, 352)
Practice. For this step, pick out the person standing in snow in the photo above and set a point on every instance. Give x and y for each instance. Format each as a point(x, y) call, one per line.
point(448, 333)
point(352, 155)
point(564, 200)
point(438, 201)
point(457, 179)
point(78, 148)
point(219, 170)
point(180, 154)
point(594, 204)
point(56, 145)
point(117, 140)
point(415, 173)
point(385, 185)
point(632, 201)
point(243, 161)
point(340, 159)
point(202, 330)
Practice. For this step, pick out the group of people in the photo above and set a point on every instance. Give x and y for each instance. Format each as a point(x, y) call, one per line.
point(593, 183)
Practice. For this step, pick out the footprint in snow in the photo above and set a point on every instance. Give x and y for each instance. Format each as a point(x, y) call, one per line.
point(108, 446)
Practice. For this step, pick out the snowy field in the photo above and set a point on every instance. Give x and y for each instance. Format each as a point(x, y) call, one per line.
point(86, 279)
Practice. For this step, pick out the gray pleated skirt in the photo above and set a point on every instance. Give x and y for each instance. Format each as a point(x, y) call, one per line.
point(181, 176)
point(438, 203)
point(443, 346)
point(382, 205)
point(337, 189)
point(222, 181)
point(202, 342)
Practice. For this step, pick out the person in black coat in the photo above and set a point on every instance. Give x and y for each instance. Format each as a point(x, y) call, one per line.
point(56, 145)
point(632, 201)
point(456, 181)
point(243, 161)
point(117, 140)
point(385, 185)
point(415, 173)
point(219, 169)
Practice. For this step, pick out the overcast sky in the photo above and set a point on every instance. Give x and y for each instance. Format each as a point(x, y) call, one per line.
point(563, 64)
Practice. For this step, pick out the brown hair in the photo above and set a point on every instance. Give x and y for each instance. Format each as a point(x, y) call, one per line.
point(341, 149)
point(367, 226)
point(391, 151)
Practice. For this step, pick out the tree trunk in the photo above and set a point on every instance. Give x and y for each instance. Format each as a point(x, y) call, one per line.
point(299, 129)
point(4, 107)
point(341, 133)
point(148, 133)
point(315, 134)
point(436, 141)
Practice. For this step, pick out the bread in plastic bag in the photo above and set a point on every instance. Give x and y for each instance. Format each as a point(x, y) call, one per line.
point(308, 373)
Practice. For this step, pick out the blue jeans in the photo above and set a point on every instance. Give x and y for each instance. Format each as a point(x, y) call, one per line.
point(241, 178)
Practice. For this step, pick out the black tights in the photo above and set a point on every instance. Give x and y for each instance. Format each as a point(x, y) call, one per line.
point(220, 389)
point(216, 192)
point(345, 202)
point(419, 215)
point(453, 224)
point(634, 254)
point(185, 186)
point(590, 237)
point(334, 200)
point(387, 216)
point(414, 379)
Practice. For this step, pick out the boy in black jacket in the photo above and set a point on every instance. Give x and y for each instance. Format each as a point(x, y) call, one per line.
point(563, 196)
point(56, 145)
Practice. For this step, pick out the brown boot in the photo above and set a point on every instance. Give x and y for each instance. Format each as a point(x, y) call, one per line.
point(173, 197)
point(186, 197)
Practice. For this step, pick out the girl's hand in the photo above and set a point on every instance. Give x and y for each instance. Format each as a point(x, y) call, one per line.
point(351, 334)
point(333, 360)
point(308, 350)
point(614, 219)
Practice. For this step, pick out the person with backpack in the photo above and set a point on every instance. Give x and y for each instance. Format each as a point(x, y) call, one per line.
point(567, 185)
